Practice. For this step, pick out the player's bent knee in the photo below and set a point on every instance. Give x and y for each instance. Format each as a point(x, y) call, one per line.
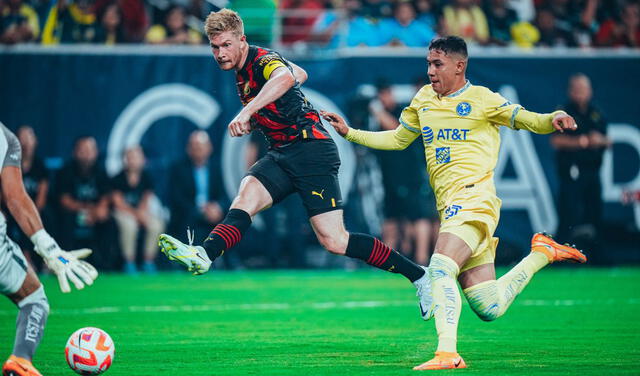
point(489, 315)
point(38, 298)
point(333, 244)
point(486, 309)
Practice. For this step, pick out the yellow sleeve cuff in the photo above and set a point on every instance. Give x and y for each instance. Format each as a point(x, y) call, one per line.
point(534, 122)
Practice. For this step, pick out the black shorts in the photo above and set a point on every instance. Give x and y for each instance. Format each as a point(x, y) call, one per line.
point(308, 167)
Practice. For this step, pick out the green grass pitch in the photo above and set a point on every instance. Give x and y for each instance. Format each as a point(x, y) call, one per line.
point(569, 321)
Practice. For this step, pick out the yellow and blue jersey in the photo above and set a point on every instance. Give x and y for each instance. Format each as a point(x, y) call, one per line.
point(460, 133)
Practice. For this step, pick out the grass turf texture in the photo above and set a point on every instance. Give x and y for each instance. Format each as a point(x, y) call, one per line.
point(573, 321)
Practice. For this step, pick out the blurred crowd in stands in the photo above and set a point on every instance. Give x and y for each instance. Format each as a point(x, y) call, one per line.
point(328, 23)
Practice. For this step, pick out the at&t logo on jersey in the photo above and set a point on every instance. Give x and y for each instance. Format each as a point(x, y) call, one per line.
point(427, 135)
point(463, 108)
point(443, 155)
point(452, 134)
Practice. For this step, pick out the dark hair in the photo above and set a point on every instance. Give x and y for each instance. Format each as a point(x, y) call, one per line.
point(81, 138)
point(576, 76)
point(450, 44)
point(382, 84)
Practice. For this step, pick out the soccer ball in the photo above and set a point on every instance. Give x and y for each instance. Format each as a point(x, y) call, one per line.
point(89, 351)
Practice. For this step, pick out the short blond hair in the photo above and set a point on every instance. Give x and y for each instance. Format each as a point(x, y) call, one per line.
point(223, 20)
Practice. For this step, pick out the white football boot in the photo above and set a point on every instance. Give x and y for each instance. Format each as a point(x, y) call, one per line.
point(195, 258)
point(425, 295)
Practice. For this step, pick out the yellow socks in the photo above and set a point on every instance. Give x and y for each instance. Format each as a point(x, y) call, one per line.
point(490, 299)
point(444, 272)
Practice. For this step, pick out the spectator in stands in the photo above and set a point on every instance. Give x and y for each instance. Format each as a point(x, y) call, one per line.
point(426, 13)
point(34, 173)
point(83, 195)
point(377, 9)
point(574, 18)
point(132, 199)
point(500, 19)
point(110, 30)
point(133, 17)
point(404, 29)
point(298, 17)
point(345, 27)
point(625, 32)
point(70, 23)
point(174, 30)
point(578, 159)
point(41, 7)
point(198, 201)
point(18, 22)
point(550, 34)
point(587, 25)
point(524, 34)
point(199, 9)
point(525, 9)
point(409, 205)
point(467, 20)
point(36, 183)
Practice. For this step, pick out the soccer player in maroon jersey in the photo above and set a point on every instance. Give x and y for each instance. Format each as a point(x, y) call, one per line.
point(302, 159)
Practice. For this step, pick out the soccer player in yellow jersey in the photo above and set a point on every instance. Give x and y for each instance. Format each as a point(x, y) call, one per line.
point(459, 124)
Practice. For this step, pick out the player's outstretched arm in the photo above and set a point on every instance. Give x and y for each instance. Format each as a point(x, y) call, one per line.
point(544, 123)
point(280, 81)
point(396, 139)
point(500, 111)
point(66, 265)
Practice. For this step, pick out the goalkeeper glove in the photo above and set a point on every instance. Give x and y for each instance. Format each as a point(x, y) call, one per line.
point(66, 265)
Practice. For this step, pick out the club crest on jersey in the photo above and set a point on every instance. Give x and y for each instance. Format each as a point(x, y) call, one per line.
point(443, 155)
point(463, 108)
point(427, 135)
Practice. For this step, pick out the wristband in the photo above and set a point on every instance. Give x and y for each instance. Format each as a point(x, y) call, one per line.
point(43, 242)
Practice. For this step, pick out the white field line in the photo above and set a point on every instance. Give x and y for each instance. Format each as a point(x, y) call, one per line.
point(314, 306)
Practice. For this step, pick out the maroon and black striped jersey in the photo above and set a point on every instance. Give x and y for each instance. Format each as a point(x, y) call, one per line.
point(291, 117)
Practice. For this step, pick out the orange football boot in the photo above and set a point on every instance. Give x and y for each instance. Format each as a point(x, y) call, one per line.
point(442, 360)
point(554, 251)
point(15, 366)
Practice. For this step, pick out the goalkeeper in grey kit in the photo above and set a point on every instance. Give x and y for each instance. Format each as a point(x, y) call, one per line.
point(17, 280)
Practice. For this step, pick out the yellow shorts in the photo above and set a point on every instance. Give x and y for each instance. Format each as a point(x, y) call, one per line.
point(473, 215)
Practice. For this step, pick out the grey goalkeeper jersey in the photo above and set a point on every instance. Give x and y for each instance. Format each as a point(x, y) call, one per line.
point(10, 151)
point(10, 155)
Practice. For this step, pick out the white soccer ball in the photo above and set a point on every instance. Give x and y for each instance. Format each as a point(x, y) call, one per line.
point(89, 351)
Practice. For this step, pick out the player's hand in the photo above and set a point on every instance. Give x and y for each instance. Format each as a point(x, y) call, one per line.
point(336, 121)
point(240, 125)
point(68, 267)
point(562, 122)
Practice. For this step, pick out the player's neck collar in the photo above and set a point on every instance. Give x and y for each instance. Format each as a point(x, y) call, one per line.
point(460, 91)
point(250, 55)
